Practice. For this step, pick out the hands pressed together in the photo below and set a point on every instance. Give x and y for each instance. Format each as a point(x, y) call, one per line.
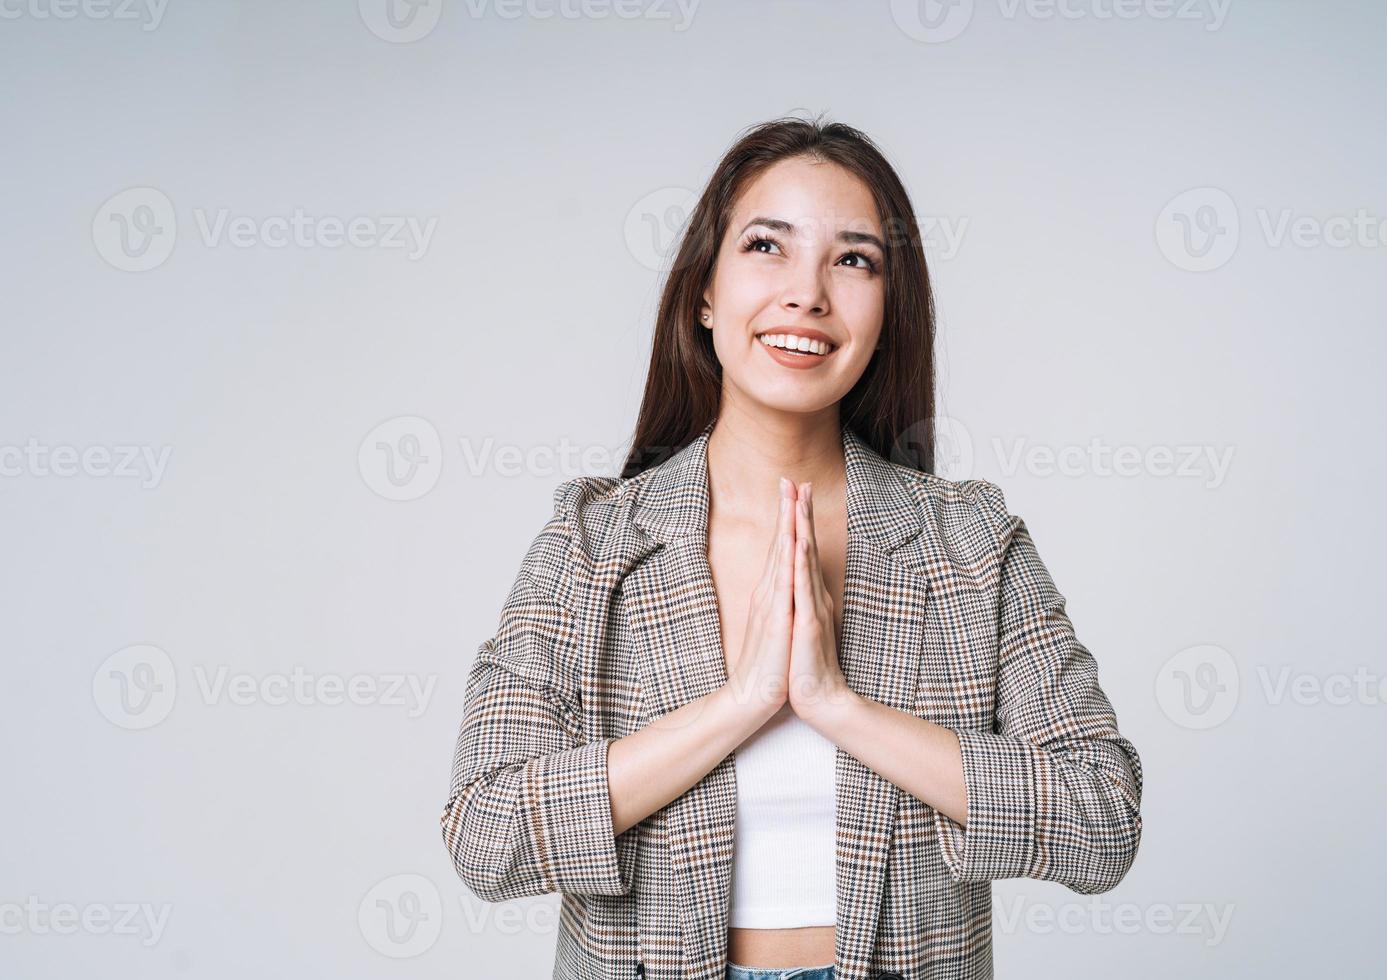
point(790, 650)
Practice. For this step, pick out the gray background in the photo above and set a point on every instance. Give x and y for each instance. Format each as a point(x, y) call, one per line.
point(1115, 279)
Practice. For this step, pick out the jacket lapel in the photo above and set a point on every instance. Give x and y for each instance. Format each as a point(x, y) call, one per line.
point(672, 607)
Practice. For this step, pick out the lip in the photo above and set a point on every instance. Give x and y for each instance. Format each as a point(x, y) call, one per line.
point(809, 332)
point(798, 361)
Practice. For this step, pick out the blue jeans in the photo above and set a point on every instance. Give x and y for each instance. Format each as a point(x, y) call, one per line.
point(736, 972)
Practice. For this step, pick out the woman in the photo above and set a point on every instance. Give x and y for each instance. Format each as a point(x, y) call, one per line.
point(779, 702)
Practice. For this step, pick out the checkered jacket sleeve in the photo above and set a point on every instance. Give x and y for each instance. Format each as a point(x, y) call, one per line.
point(1054, 790)
point(529, 811)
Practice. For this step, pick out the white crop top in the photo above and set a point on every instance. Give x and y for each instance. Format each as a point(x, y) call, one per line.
point(784, 843)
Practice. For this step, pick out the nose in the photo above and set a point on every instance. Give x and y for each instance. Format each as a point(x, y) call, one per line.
point(804, 291)
point(817, 309)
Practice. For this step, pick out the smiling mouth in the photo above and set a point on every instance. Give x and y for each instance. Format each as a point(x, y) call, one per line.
point(794, 344)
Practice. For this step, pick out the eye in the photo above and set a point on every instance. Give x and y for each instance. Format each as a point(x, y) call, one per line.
point(751, 243)
point(756, 239)
point(868, 264)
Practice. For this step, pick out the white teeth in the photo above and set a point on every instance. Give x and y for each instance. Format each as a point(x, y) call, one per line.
point(789, 341)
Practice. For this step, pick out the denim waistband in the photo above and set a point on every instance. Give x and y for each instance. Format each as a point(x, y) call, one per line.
point(737, 972)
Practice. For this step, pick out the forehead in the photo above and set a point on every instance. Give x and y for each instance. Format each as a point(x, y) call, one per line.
point(818, 198)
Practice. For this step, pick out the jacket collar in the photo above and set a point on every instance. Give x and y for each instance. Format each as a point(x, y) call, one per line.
point(672, 611)
point(673, 502)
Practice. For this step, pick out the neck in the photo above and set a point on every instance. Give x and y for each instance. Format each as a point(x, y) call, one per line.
point(748, 454)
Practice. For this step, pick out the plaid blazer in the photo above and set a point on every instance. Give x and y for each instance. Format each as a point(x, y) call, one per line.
point(948, 613)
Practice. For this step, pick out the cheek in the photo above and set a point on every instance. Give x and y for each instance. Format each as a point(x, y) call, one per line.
point(863, 310)
point(744, 296)
point(730, 347)
point(856, 365)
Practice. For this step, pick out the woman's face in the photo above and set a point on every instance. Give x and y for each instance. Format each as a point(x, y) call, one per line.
point(802, 255)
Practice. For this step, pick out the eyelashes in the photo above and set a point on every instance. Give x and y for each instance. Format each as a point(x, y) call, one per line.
point(750, 243)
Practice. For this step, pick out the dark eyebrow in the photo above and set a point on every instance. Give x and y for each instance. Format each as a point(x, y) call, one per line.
point(783, 226)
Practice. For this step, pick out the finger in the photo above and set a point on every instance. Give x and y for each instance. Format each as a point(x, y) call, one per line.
point(816, 567)
point(785, 583)
point(773, 552)
point(808, 596)
point(787, 490)
point(803, 595)
point(804, 587)
point(800, 516)
point(787, 526)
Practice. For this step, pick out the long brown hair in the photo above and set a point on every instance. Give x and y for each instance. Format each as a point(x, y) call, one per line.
point(892, 406)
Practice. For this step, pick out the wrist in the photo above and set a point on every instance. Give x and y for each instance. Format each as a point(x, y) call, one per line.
point(828, 709)
point(746, 707)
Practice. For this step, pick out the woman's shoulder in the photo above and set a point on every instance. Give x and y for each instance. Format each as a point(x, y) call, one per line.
point(969, 514)
point(580, 532)
point(589, 508)
point(965, 499)
point(588, 499)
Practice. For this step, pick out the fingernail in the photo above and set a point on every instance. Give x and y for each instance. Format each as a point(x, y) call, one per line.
point(783, 484)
